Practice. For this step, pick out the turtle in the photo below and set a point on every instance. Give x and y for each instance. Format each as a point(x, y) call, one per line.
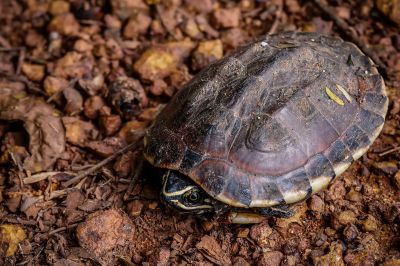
point(267, 126)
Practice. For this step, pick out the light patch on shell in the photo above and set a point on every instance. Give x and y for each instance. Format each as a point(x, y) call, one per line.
point(360, 152)
point(294, 196)
point(319, 183)
point(230, 201)
point(341, 167)
point(263, 44)
point(345, 93)
point(263, 203)
point(333, 96)
point(363, 150)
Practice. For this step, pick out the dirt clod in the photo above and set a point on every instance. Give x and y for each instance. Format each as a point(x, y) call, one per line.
point(333, 257)
point(104, 231)
point(212, 250)
point(270, 258)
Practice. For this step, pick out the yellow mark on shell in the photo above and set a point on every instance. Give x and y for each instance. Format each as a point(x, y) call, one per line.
point(345, 93)
point(333, 96)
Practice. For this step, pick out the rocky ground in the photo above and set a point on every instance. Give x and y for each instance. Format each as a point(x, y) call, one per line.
point(79, 80)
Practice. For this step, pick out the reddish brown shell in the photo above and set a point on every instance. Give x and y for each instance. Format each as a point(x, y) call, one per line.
point(273, 122)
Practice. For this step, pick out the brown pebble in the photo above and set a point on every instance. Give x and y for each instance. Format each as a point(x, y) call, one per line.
point(350, 232)
point(92, 106)
point(270, 258)
point(203, 6)
point(207, 52)
point(105, 147)
point(227, 17)
point(213, 250)
point(65, 24)
point(354, 196)
point(191, 28)
point(317, 204)
point(389, 167)
point(110, 124)
point(58, 7)
point(260, 233)
point(53, 85)
point(335, 191)
point(163, 256)
point(334, 257)
point(397, 179)
point(155, 63)
point(346, 217)
point(343, 12)
point(34, 72)
point(239, 261)
point(137, 24)
point(207, 225)
point(391, 262)
point(78, 131)
point(290, 260)
point(83, 46)
point(158, 87)
point(243, 232)
point(390, 8)
point(370, 224)
point(135, 208)
point(152, 205)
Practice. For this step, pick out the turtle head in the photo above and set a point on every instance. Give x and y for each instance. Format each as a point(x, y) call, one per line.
point(182, 194)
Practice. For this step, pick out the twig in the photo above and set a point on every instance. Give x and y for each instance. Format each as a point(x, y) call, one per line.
point(389, 151)
point(41, 176)
point(21, 59)
point(10, 49)
point(135, 177)
point(63, 228)
point(278, 15)
point(100, 164)
point(18, 221)
point(342, 25)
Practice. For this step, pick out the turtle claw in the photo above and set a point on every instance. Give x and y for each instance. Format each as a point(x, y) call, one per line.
point(282, 211)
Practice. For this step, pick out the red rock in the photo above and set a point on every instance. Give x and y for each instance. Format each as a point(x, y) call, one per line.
point(227, 17)
point(270, 258)
point(104, 231)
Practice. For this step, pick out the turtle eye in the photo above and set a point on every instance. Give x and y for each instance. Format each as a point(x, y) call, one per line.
point(193, 196)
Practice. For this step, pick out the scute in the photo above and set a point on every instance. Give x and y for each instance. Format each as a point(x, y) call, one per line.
point(258, 128)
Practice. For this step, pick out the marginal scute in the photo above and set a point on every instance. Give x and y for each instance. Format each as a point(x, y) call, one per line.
point(337, 153)
point(211, 175)
point(190, 160)
point(339, 156)
point(369, 121)
point(376, 103)
point(355, 138)
point(294, 186)
point(265, 192)
point(238, 189)
point(319, 171)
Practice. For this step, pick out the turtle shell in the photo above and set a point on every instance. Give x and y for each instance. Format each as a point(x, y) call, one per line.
point(273, 122)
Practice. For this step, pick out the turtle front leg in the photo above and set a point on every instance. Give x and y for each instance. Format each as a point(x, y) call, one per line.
point(281, 211)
